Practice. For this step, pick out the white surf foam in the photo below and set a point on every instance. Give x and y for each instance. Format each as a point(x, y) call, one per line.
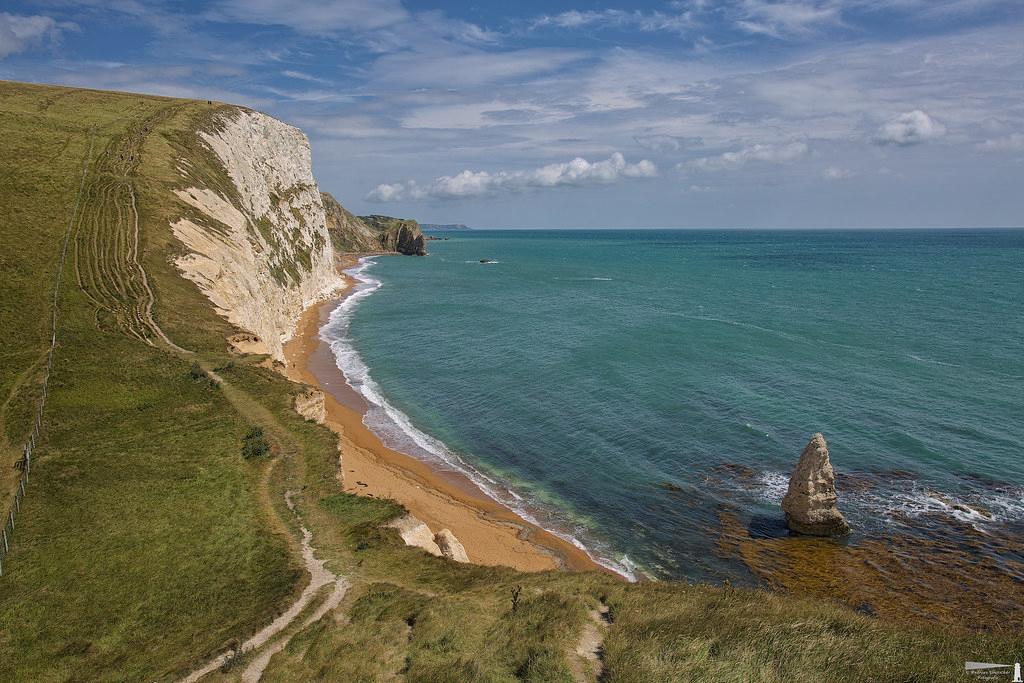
point(397, 431)
point(893, 503)
point(773, 487)
point(979, 511)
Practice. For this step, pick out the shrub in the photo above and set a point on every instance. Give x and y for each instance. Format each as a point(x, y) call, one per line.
point(196, 372)
point(254, 445)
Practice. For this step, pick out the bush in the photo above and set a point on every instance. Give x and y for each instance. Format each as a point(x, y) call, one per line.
point(254, 445)
point(196, 372)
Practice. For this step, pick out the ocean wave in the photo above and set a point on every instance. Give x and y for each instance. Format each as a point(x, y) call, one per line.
point(585, 279)
point(898, 502)
point(919, 359)
point(978, 510)
point(397, 432)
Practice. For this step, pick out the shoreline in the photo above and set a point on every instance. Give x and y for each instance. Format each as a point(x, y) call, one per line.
point(491, 533)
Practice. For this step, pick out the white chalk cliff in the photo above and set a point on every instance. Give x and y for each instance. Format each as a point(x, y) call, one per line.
point(264, 254)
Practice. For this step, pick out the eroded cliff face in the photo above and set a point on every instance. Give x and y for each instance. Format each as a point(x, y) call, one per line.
point(258, 242)
point(368, 234)
point(401, 235)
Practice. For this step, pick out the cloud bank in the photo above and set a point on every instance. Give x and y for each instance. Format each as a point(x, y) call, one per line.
point(1011, 143)
point(576, 173)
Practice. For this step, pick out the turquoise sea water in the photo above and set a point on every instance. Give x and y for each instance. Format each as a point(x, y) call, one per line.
point(625, 387)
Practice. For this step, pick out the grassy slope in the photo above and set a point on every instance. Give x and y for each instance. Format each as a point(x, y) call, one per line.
point(141, 546)
point(146, 542)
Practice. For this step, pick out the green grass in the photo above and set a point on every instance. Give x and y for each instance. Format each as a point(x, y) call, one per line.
point(141, 546)
point(148, 543)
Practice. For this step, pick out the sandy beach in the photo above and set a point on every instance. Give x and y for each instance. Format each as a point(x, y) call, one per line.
point(491, 533)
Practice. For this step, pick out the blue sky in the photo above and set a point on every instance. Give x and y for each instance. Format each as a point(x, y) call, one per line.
point(743, 113)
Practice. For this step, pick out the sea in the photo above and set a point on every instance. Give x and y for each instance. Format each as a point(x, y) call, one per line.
point(626, 389)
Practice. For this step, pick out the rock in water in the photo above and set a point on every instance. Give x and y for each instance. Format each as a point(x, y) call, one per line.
point(810, 502)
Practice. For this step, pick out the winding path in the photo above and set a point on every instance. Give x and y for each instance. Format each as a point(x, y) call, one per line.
point(320, 576)
point(588, 665)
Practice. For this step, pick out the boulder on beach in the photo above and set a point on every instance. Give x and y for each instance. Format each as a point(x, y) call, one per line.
point(450, 546)
point(810, 502)
point(416, 533)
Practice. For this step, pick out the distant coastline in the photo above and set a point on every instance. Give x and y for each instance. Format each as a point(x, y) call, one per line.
point(444, 227)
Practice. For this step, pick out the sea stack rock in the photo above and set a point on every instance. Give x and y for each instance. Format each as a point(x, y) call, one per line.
point(810, 502)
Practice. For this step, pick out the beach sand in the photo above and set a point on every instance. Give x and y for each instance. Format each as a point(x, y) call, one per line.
point(491, 533)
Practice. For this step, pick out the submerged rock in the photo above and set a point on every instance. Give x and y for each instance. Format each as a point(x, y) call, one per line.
point(810, 502)
point(450, 546)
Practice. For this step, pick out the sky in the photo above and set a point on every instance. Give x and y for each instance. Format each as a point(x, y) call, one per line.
point(575, 114)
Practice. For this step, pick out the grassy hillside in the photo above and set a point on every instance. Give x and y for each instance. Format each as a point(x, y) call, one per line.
point(141, 544)
point(348, 233)
point(146, 542)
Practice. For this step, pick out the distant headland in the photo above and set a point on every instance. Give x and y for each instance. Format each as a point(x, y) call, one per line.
point(439, 227)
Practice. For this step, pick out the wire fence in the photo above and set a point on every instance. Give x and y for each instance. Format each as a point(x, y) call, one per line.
point(25, 462)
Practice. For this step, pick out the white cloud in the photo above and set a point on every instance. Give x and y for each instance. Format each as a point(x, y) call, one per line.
point(1013, 142)
point(448, 67)
point(19, 33)
point(836, 173)
point(393, 192)
point(910, 128)
point(616, 18)
point(471, 115)
point(348, 127)
point(778, 19)
point(436, 23)
point(301, 76)
point(312, 17)
point(575, 173)
point(634, 79)
point(775, 154)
